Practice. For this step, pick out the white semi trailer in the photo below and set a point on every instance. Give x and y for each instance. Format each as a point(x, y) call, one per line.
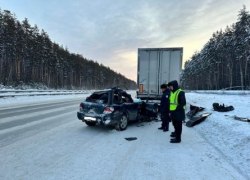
point(155, 67)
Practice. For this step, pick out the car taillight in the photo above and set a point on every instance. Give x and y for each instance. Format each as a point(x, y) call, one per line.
point(81, 106)
point(108, 110)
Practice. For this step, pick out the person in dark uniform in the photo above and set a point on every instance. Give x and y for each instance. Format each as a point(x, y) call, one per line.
point(164, 108)
point(177, 110)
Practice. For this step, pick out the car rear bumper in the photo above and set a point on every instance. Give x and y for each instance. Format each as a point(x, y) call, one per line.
point(102, 119)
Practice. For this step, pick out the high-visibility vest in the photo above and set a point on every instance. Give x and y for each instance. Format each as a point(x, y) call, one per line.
point(174, 99)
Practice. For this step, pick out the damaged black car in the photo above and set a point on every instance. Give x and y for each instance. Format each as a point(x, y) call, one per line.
point(115, 108)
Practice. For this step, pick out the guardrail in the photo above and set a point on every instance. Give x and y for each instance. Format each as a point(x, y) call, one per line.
point(227, 92)
point(13, 93)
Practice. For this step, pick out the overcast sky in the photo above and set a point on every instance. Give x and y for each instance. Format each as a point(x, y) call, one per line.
point(110, 31)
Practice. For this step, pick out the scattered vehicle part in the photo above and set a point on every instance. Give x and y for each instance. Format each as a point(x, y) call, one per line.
point(193, 111)
point(222, 108)
point(197, 119)
point(242, 119)
point(131, 138)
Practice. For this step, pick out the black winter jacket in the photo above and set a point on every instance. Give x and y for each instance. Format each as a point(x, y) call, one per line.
point(164, 106)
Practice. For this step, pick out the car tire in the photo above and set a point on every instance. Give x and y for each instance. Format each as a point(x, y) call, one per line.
point(123, 123)
point(156, 108)
point(90, 123)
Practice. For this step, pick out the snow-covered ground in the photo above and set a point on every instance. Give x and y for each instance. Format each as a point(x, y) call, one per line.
point(63, 147)
point(230, 137)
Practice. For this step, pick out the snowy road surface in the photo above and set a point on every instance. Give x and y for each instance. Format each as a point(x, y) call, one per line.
point(47, 141)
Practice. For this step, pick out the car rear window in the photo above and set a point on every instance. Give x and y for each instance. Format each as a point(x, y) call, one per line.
point(98, 97)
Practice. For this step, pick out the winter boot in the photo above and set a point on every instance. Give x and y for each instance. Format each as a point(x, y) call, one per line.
point(175, 140)
point(172, 134)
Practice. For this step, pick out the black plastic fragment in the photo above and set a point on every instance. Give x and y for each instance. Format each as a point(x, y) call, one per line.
point(222, 108)
point(131, 138)
point(194, 110)
point(197, 119)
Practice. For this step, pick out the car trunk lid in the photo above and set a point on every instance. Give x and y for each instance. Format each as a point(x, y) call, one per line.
point(92, 108)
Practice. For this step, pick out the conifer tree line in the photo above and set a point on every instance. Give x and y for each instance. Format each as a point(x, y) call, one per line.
point(224, 61)
point(28, 55)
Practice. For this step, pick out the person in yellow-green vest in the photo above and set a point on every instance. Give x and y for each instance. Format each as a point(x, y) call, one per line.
point(177, 110)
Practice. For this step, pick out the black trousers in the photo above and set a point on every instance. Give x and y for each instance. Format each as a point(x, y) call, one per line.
point(178, 128)
point(165, 122)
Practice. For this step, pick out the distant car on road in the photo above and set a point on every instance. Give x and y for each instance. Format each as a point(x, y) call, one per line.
point(114, 107)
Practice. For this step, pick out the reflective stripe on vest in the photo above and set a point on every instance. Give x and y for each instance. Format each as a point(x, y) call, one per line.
point(174, 99)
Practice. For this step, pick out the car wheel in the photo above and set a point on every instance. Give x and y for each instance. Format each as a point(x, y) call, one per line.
point(89, 123)
point(156, 108)
point(123, 123)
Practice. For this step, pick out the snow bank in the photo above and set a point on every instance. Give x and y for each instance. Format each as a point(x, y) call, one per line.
point(228, 92)
point(26, 100)
point(33, 86)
